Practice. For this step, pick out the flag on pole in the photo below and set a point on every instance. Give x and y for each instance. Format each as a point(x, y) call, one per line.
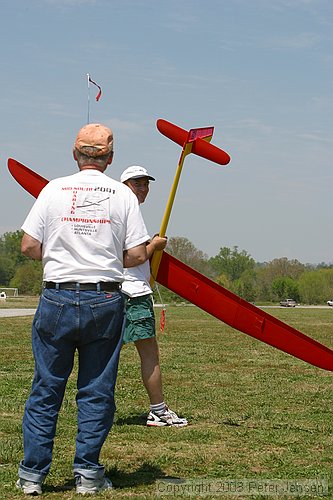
point(100, 90)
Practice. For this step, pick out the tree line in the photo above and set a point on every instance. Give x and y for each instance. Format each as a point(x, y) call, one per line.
point(232, 268)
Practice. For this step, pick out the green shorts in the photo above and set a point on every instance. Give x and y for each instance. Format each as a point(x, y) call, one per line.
point(139, 319)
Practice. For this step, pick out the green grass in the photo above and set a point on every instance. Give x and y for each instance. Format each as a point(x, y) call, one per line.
point(24, 302)
point(254, 411)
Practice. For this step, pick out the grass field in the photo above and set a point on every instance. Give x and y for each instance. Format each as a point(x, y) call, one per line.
point(255, 412)
point(19, 302)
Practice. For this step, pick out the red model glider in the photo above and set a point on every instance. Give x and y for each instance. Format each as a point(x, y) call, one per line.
point(212, 298)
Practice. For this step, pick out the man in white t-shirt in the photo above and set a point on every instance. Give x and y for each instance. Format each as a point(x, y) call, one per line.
point(84, 227)
point(140, 318)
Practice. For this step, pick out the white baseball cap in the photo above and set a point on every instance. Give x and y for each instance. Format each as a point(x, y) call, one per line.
point(135, 172)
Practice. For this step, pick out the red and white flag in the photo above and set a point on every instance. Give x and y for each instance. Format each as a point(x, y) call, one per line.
point(162, 320)
point(94, 83)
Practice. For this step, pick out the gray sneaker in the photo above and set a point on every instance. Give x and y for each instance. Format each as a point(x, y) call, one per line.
point(167, 418)
point(91, 486)
point(29, 487)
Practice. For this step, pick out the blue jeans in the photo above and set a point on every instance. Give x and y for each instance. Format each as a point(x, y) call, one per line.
point(66, 321)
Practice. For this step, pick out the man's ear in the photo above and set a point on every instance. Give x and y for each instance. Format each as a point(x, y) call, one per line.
point(74, 155)
point(110, 158)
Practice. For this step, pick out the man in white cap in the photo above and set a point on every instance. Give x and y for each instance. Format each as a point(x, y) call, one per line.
point(84, 228)
point(140, 319)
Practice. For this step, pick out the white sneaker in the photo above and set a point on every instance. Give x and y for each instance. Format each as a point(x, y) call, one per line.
point(29, 487)
point(91, 486)
point(168, 418)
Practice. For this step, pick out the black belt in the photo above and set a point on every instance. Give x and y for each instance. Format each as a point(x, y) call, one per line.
point(103, 286)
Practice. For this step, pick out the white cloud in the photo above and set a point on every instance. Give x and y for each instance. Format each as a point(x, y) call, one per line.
point(295, 42)
point(124, 125)
point(70, 3)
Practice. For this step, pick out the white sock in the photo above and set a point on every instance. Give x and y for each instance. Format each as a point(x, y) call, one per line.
point(159, 408)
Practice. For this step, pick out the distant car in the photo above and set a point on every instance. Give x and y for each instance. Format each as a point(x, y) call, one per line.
point(288, 303)
point(330, 303)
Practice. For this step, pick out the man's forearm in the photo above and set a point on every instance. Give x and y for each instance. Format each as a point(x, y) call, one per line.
point(30, 247)
point(135, 256)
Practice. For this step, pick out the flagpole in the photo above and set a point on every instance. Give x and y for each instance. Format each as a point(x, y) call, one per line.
point(88, 103)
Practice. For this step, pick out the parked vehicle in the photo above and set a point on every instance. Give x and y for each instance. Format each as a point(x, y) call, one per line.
point(288, 303)
point(330, 303)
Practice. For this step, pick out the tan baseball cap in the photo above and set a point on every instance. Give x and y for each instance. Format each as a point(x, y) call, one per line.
point(94, 140)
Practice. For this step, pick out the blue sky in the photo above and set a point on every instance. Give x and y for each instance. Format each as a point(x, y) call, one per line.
point(259, 71)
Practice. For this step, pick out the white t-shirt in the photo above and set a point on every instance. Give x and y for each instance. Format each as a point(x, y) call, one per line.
point(137, 280)
point(85, 221)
